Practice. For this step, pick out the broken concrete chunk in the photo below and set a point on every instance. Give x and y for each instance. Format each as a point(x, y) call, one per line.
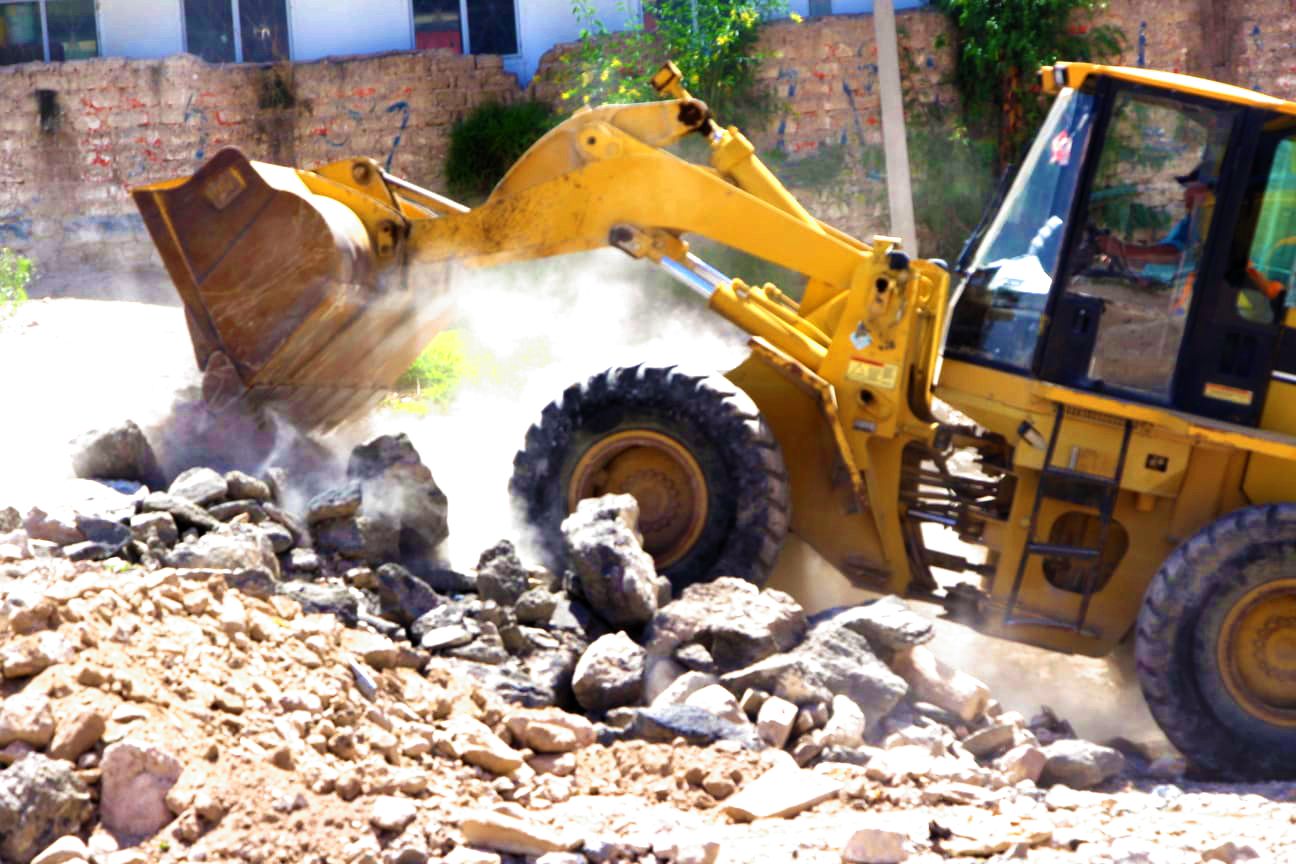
point(609, 674)
point(738, 623)
point(875, 846)
point(201, 486)
point(781, 792)
point(616, 575)
point(136, 778)
point(933, 681)
point(119, 452)
point(516, 836)
point(775, 720)
point(1080, 764)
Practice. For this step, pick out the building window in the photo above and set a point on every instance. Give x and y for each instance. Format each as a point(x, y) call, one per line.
point(53, 30)
point(820, 8)
point(260, 37)
point(436, 25)
point(491, 25)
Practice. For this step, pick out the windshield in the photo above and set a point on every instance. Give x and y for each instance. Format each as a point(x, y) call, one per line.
point(998, 307)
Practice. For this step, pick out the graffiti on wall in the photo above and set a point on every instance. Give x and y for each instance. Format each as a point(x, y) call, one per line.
point(367, 110)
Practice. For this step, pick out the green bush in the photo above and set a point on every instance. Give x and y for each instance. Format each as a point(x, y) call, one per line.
point(15, 275)
point(486, 143)
point(438, 371)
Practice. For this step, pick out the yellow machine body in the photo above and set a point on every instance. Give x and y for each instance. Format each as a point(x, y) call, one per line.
point(297, 288)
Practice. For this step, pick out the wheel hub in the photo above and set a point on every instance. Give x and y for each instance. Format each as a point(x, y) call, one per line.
point(663, 477)
point(1257, 652)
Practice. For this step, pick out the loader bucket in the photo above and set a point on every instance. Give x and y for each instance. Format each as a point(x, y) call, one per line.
point(285, 302)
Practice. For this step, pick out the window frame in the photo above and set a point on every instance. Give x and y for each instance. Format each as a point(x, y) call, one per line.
point(237, 26)
point(464, 38)
point(44, 22)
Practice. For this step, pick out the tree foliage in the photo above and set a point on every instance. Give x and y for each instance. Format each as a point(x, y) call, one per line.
point(1002, 44)
point(486, 143)
point(712, 41)
point(15, 275)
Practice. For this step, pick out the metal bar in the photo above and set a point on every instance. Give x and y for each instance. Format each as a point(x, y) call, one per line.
point(440, 202)
point(1030, 530)
point(1107, 510)
point(688, 277)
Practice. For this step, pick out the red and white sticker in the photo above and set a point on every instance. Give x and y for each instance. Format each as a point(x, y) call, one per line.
point(1060, 149)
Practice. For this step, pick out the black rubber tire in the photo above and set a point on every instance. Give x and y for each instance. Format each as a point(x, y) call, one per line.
point(747, 487)
point(1179, 627)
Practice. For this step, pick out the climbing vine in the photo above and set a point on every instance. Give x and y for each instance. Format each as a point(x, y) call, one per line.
point(1002, 44)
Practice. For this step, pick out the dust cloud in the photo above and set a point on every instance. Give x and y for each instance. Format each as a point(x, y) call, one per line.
point(531, 331)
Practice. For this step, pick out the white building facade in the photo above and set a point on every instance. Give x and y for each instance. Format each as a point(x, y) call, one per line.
point(258, 31)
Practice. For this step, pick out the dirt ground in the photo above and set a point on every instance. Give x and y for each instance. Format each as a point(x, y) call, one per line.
point(180, 676)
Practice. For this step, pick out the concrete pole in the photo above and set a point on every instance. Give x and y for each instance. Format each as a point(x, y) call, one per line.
point(895, 147)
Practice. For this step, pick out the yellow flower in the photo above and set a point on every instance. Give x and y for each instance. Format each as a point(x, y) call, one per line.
point(603, 76)
point(586, 99)
point(749, 17)
point(722, 39)
point(616, 62)
point(567, 94)
point(796, 18)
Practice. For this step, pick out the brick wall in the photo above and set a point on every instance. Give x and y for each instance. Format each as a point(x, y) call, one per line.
point(118, 123)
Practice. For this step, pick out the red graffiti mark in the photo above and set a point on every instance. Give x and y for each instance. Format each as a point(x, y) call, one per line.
point(872, 121)
point(135, 103)
point(321, 131)
point(85, 101)
point(407, 91)
point(802, 146)
point(221, 121)
point(1078, 29)
point(100, 160)
point(363, 92)
point(207, 94)
point(821, 75)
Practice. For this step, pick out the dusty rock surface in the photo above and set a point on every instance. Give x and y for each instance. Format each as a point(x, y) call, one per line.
point(293, 704)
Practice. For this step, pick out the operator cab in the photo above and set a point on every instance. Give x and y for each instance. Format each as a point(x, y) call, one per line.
point(1146, 248)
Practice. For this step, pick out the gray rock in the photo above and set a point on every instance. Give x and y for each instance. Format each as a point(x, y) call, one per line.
point(228, 510)
point(88, 551)
point(449, 636)
point(511, 680)
point(445, 581)
point(402, 596)
point(696, 658)
point(1080, 764)
point(162, 526)
point(536, 606)
point(119, 452)
point(487, 648)
point(399, 488)
point(201, 486)
point(695, 725)
point(889, 624)
point(300, 530)
point(359, 538)
point(500, 574)
point(41, 800)
point(339, 503)
point(831, 661)
point(229, 547)
point(303, 560)
point(255, 582)
point(449, 613)
point(616, 575)
point(10, 520)
point(112, 534)
point(735, 621)
point(242, 486)
point(57, 527)
point(323, 597)
point(281, 539)
point(609, 673)
point(185, 513)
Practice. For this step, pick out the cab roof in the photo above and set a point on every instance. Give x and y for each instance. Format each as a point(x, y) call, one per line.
point(1060, 75)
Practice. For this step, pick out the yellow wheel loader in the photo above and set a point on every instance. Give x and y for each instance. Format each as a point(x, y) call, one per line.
point(1116, 337)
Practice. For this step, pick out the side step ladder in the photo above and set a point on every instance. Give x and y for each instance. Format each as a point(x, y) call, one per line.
point(1106, 489)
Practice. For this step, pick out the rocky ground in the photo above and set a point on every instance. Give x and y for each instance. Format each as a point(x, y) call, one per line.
point(217, 665)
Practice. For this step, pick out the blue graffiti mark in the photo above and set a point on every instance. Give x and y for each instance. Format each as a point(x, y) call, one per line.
point(782, 134)
point(15, 228)
point(103, 227)
point(931, 62)
point(191, 112)
point(1142, 44)
point(403, 107)
point(855, 115)
point(1256, 38)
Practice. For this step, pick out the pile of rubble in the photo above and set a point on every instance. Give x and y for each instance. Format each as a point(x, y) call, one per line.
point(200, 674)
